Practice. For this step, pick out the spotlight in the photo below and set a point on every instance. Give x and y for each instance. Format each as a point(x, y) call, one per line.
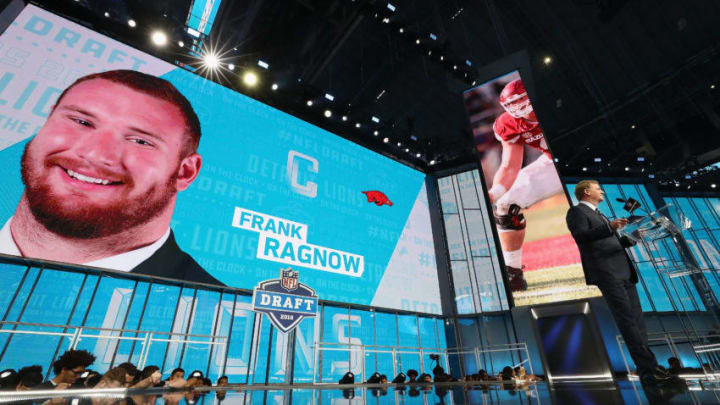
point(584, 169)
point(547, 60)
point(454, 67)
point(274, 86)
point(357, 125)
point(401, 30)
point(328, 113)
point(417, 41)
point(159, 38)
point(375, 132)
point(375, 119)
point(344, 117)
point(386, 140)
point(263, 64)
point(633, 126)
point(132, 23)
point(407, 150)
point(627, 169)
point(181, 44)
point(250, 78)
point(309, 103)
point(211, 61)
point(712, 86)
point(329, 96)
point(417, 155)
point(432, 162)
point(231, 66)
point(107, 14)
point(399, 144)
point(442, 57)
point(713, 185)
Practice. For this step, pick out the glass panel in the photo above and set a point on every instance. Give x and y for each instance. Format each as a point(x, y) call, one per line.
point(489, 282)
point(428, 332)
point(202, 322)
point(468, 193)
point(305, 338)
point(447, 195)
point(463, 289)
point(239, 350)
point(480, 236)
point(408, 331)
point(158, 316)
point(456, 247)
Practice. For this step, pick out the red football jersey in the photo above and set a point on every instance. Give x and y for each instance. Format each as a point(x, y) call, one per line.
point(515, 130)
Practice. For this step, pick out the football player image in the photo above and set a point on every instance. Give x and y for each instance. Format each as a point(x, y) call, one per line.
point(102, 176)
point(514, 187)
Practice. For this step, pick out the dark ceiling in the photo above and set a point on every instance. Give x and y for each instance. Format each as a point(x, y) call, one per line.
point(628, 78)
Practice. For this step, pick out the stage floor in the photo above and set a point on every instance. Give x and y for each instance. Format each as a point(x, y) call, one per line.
point(622, 392)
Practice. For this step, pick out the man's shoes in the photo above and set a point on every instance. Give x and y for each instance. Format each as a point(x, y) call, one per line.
point(517, 279)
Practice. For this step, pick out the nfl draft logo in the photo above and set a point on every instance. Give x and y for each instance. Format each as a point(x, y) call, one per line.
point(286, 301)
point(289, 279)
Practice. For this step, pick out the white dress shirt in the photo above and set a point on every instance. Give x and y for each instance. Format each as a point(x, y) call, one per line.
point(122, 262)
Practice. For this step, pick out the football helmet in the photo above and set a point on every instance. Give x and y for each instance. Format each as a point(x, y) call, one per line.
point(515, 100)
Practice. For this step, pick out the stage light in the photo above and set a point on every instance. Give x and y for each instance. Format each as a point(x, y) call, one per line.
point(584, 169)
point(407, 150)
point(159, 38)
point(454, 67)
point(181, 44)
point(376, 132)
point(329, 96)
point(467, 62)
point(399, 144)
point(357, 125)
point(713, 185)
point(677, 184)
point(597, 160)
point(433, 36)
point(390, 7)
point(328, 113)
point(556, 160)
point(417, 155)
point(107, 14)
point(263, 64)
point(309, 103)
point(442, 57)
point(547, 60)
point(712, 86)
point(641, 159)
point(401, 30)
point(250, 78)
point(386, 140)
point(231, 66)
point(344, 117)
point(375, 119)
point(386, 20)
point(633, 126)
point(474, 82)
point(432, 162)
point(417, 41)
point(627, 169)
point(132, 23)
point(274, 86)
point(211, 61)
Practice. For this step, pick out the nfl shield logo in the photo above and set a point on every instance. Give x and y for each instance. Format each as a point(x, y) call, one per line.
point(289, 279)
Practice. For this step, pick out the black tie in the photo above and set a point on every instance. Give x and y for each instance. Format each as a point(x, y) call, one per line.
point(602, 216)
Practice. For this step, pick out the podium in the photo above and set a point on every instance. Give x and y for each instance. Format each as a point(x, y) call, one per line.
point(662, 231)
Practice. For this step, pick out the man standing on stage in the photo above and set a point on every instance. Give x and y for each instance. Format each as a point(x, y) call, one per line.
point(607, 265)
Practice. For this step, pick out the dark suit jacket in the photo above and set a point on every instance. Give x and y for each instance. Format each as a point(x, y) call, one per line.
point(171, 262)
point(602, 252)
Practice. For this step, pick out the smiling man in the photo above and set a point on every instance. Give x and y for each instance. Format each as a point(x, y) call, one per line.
point(102, 176)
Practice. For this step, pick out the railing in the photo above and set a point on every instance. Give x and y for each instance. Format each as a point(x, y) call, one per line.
point(76, 334)
point(360, 351)
point(703, 346)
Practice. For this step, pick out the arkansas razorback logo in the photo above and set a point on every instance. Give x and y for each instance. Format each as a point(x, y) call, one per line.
point(377, 197)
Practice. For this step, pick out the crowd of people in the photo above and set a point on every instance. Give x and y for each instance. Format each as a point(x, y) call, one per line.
point(72, 370)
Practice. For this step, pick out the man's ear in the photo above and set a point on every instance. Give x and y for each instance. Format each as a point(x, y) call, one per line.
point(187, 171)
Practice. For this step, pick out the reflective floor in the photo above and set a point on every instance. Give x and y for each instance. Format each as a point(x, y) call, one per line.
point(624, 392)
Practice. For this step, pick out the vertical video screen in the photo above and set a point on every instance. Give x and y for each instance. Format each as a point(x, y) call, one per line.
point(542, 261)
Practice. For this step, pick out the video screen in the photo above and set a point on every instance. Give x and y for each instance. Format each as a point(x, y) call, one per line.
point(115, 159)
point(542, 261)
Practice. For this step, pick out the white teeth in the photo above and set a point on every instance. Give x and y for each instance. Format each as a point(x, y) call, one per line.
point(85, 178)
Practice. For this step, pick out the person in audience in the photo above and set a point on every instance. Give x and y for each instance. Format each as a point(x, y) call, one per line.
point(383, 379)
point(412, 375)
point(132, 373)
point(196, 379)
point(149, 377)
point(222, 381)
point(8, 379)
point(68, 368)
point(507, 374)
point(425, 378)
point(29, 378)
point(177, 378)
